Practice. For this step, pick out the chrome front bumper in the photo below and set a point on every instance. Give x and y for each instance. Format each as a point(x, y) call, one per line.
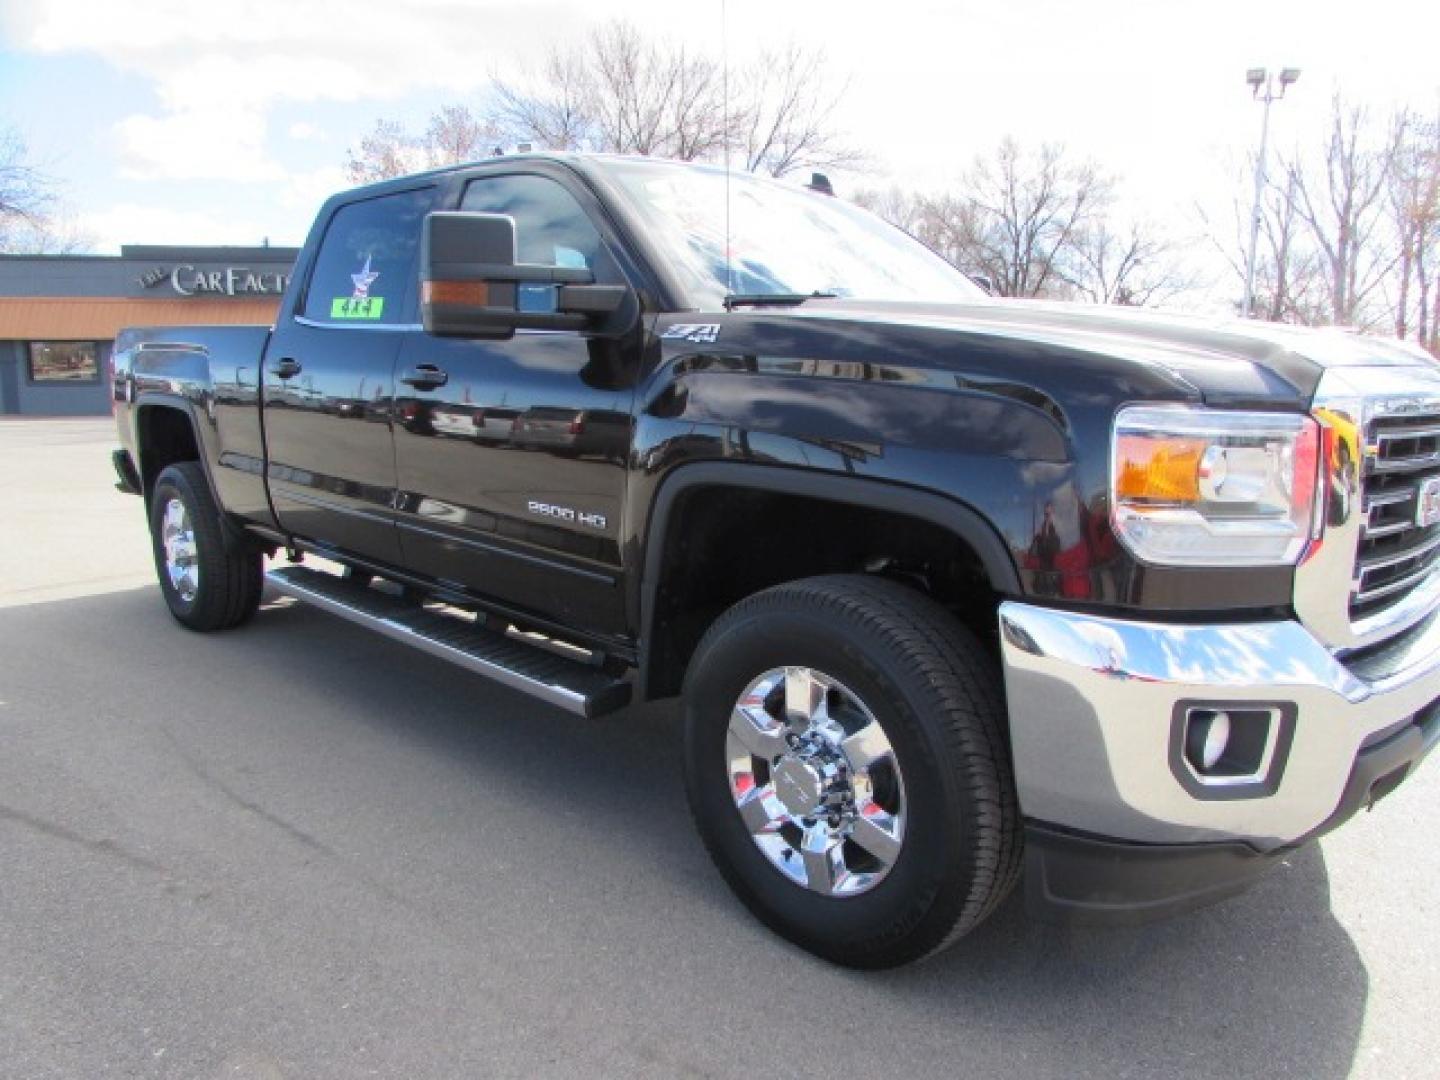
point(1092, 700)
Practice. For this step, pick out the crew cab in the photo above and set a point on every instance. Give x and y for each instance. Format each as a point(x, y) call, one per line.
point(956, 590)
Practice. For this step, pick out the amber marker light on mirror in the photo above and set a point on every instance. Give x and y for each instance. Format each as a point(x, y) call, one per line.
point(472, 293)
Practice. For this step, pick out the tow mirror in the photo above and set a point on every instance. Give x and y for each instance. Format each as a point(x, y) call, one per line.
point(471, 285)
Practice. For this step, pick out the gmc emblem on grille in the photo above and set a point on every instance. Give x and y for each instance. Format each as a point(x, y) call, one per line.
point(1427, 502)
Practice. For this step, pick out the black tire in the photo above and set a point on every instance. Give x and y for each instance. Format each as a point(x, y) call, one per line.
point(229, 582)
point(937, 695)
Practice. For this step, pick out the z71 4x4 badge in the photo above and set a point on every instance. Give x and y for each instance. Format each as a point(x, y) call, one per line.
point(699, 333)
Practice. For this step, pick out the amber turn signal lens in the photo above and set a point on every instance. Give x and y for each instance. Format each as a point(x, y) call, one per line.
point(473, 293)
point(1165, 469)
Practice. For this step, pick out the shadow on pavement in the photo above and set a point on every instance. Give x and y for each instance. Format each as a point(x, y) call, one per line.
point(1269, 983)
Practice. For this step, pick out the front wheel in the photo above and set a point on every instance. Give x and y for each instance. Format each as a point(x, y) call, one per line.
point(207, 585)
point(847, 768)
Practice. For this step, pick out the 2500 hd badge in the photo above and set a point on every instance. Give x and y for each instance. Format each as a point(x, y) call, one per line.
point(567, 513)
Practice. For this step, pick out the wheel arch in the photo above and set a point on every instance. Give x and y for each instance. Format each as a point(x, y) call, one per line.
point(165, 433)
point(168, 431)
point(666, 648)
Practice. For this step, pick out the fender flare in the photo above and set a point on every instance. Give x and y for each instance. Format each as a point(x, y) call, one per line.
point(955, 517)
point(148, 400)
point(235, 539)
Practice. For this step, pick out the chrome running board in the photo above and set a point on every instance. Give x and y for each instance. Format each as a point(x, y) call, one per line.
point(534, 669)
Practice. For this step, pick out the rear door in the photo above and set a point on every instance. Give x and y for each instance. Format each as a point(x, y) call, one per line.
point(512, 474)
point(329, 404)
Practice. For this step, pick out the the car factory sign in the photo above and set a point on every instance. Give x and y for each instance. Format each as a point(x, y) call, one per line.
point(189, 280)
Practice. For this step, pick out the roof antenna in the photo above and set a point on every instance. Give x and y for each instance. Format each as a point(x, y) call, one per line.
point(725, 116)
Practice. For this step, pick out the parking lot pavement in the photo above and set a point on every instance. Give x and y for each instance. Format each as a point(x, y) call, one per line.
point(300, 850)
point(65, 530)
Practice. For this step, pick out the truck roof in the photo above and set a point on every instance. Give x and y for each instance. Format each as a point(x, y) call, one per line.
point(579, 161)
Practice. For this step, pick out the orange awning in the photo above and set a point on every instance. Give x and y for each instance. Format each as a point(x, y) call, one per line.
point(101, 318)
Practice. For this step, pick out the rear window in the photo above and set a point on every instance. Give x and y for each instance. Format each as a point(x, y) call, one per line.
point(365, 271)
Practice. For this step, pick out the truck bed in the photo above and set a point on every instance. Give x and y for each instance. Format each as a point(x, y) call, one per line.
point(214, 373)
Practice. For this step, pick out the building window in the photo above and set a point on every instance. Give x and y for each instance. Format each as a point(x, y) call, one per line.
point(64, 361)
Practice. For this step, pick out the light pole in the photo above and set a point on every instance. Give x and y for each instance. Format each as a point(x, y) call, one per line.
point(1263, 88)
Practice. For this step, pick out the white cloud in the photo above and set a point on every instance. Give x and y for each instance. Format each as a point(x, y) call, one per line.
point(136, 223)
point(217, 70)
point(195, 144)
point(256, 52)
point(304, 131)
point(307, 190)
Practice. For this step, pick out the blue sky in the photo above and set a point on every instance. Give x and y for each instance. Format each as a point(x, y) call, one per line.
point(178, 121)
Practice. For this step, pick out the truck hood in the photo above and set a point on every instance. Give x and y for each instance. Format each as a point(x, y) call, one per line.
point(1225, 361)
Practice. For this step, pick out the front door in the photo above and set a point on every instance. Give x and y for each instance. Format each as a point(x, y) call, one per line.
point(329, 379)
point(512, 469)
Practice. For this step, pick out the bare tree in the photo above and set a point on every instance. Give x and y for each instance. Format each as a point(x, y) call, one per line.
point(1030, 208)
point(1414, 204)
point(787, 119)
point(455, 134)
point(1086, 254)
point(1424, 232)
point(949, 224)
point(899, 207)
point(386, 152)
point(1349, 228)
point(1130, 265)
point(954, 225)
point(559, 115)
point(652, 98)
point(1340, 201)
point(1289, 281)
point(52, 235)
point(32, 219)
point(26, 194)
point(621, 91)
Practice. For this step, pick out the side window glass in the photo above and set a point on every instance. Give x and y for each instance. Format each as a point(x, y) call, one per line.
point(551, 229)
point(366, 267)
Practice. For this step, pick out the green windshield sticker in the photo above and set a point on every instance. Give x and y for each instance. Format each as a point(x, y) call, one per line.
point(357, 307)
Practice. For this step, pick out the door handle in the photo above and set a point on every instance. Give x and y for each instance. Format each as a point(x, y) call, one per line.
point(285, 368)
point(425, 377)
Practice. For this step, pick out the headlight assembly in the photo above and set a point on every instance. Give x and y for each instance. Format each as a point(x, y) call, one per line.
point(1203, 487)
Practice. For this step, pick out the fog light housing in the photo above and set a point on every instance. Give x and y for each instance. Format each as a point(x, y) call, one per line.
point(1231, 749)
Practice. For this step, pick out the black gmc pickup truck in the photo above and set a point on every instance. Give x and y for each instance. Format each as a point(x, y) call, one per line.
point(954, 588)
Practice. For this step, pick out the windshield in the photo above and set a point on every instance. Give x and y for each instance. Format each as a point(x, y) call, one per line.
point(783, 239)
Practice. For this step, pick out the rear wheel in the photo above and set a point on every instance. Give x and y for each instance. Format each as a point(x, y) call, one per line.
point(206, 585)
point(847, 768)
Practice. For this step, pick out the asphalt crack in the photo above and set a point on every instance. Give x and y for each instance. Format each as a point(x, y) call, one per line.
point(291, 830)
point(104, 846)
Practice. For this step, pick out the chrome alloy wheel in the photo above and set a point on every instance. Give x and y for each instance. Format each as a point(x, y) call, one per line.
point(177, 536)
point(816, 781)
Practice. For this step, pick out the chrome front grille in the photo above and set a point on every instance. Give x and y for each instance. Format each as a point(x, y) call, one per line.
point(1375, 571)
point(1395, 555)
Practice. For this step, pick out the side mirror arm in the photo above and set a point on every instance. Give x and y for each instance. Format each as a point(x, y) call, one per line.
point(593, 300)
